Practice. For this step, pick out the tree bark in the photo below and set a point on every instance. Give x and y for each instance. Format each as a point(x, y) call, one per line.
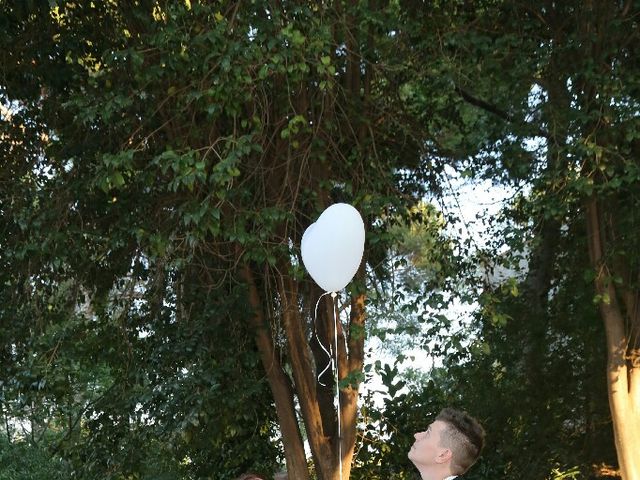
point(349, 395)
point(280, 386)
point(623, 380)
point(302, 367)
point(324, 445)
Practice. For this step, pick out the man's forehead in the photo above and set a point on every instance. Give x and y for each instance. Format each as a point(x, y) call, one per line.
point(437, 425)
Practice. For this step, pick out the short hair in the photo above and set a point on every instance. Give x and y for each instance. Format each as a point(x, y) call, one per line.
point(464, 436)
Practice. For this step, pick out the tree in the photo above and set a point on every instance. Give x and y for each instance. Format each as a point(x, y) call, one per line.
point(176, 152)
point(21, 461)
point(553, 92)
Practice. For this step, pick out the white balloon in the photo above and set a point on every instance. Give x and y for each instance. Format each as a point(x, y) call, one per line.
point(332, 247)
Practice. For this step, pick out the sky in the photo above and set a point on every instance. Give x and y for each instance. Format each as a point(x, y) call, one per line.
point(470, 201)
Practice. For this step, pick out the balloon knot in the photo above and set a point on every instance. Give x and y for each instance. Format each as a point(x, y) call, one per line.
point(334, 294)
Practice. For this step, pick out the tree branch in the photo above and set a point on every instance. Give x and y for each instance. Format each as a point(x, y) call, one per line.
point(493, 109)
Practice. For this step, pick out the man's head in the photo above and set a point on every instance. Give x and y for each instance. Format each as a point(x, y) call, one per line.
point(450, 445)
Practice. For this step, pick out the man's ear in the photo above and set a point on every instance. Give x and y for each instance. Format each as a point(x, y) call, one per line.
point(444, 456)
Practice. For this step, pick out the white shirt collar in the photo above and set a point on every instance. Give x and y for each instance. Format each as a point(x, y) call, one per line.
point(450, 478)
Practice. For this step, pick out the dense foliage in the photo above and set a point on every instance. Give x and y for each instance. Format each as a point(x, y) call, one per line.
point(543, 101)
point(160, 161)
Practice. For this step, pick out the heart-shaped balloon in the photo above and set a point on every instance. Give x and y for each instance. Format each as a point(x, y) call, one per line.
point(332, 247)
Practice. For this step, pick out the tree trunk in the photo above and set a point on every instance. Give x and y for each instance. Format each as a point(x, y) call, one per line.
point(319, 418)
point(304, 379)
point(623, 368)
point(280, 386)
point(349, 395)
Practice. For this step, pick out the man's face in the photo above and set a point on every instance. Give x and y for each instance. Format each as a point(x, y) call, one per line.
point(426, 450)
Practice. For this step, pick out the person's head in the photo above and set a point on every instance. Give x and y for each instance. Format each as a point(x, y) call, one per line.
point(449, 446)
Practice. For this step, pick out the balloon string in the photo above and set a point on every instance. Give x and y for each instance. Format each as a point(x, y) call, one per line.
point(331, 364)
point(335, 331)
point(318, 339)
